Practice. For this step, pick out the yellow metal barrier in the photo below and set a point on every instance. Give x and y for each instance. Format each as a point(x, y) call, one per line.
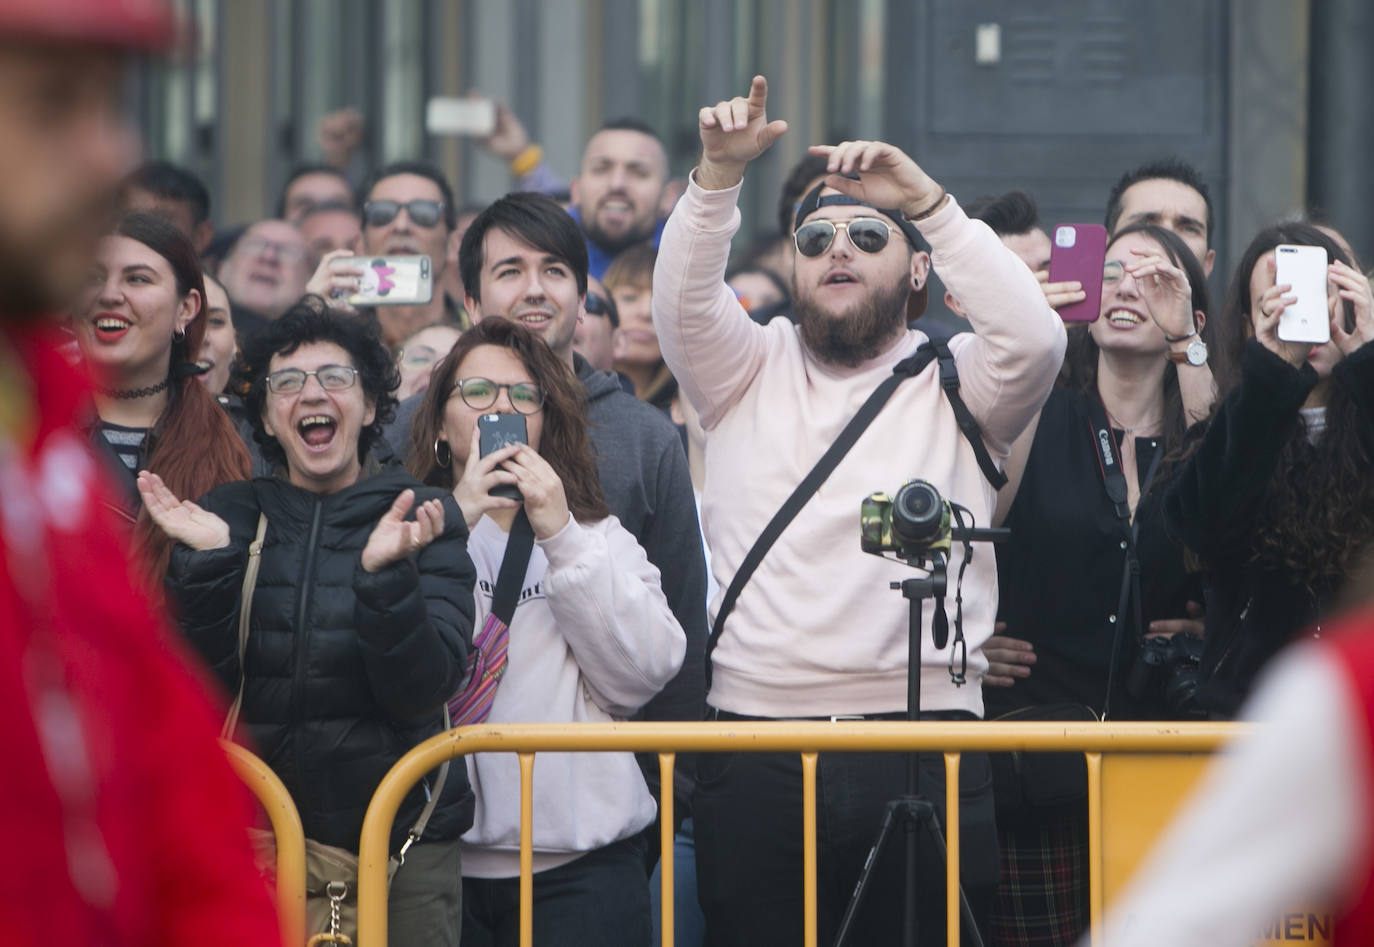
point(806, 738)
point(286, 826)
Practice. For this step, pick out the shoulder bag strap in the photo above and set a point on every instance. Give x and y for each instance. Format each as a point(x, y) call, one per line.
point(514, 563)
point(250, 581)
point(1114, 481)
point(805, 490)
point(504, 597)
point(968, 424)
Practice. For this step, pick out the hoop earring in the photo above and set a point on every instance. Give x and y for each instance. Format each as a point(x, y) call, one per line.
point(179, 335)
point(447, 450)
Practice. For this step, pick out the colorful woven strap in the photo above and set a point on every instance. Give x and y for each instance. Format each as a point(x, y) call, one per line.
point(487, 662)
point(486, 665)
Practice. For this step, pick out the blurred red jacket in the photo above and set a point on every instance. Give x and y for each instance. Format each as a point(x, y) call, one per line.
point(122, 821)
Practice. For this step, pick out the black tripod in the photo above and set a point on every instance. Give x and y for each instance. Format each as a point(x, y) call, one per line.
point(912, 811)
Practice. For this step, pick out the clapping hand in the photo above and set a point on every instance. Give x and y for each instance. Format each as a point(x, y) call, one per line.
point(182, 520)
point(733, 133)
point(394, 538)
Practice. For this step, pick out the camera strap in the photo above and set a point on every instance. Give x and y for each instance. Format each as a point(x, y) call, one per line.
point(1114, 481)
point(910, 367)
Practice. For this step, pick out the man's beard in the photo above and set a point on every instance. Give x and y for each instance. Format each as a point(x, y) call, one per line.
point(614, 244)
point(862, 332)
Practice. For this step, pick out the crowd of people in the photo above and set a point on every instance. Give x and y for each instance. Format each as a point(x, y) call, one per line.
point(303, 487)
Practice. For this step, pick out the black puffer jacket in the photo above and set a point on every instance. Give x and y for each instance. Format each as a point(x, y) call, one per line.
point(346, 670)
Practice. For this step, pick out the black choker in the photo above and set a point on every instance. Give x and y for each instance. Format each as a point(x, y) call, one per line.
point(134, 393)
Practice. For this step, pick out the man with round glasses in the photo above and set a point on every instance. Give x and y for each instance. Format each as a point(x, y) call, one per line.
point(816, 633)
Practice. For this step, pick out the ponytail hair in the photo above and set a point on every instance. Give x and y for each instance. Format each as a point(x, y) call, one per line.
point(193, 447)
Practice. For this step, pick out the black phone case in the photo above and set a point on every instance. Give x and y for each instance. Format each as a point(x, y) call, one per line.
point(496, 431)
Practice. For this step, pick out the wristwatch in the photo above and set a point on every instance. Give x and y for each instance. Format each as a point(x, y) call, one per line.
point(1195, 354)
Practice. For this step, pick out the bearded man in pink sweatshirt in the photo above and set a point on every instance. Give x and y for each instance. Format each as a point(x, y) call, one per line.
point(816, 632)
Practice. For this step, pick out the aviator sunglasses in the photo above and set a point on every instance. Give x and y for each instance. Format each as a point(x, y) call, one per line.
point(866, 234)
point(422, 213)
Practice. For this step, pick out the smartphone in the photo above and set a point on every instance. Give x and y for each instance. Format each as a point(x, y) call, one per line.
point(392, 280)
point(495, 431)
point(472, 117)
point(1307, 320)
point(1077, 252)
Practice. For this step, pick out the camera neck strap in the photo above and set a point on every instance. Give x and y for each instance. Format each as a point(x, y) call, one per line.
point(1114, 481)
point(907, 368)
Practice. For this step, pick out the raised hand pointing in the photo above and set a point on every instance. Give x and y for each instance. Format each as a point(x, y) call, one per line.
point(733, 133)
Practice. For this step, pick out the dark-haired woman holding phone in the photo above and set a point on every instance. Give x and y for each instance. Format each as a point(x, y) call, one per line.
point(1087, 484)
point(1277, 499)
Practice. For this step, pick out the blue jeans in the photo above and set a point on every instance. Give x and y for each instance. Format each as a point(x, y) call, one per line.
point(689, 925)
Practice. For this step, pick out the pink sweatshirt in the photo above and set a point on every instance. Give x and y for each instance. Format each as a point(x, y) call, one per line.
point(817, 631)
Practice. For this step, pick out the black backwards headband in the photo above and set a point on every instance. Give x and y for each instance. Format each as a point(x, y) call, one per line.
point(916, 303)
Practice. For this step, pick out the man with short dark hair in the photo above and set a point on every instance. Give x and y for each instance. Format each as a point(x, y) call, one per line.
point(622, 193)
point(524, 259)
point(309, 185)
point(1171, 194)
point(816, 632)
point(176, 195)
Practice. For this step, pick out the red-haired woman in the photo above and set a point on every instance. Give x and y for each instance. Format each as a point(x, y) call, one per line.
point(140, 327)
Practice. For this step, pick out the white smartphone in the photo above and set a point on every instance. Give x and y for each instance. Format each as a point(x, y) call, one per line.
point(472, 117)
point(392, 280)
point(1304, 268)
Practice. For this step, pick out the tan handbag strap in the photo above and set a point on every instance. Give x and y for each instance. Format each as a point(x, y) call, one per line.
point(418, 829)
point(250, 582)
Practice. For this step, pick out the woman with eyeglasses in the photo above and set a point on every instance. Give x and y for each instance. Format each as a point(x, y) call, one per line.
point(1084, 497)
point(587, 636)
point(140, 326)
point(360, 619)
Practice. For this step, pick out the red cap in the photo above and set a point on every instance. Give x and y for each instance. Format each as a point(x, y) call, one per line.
point(125, 24)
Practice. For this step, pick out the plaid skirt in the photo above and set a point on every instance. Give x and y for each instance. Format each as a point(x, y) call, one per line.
point(1042, 898)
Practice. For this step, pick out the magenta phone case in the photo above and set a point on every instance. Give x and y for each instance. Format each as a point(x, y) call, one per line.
point(1077, 252)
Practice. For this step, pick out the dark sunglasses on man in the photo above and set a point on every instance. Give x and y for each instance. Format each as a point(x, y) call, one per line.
point(866, 234)
point(422, 213)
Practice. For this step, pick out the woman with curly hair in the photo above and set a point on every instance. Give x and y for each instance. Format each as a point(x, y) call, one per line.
point(1276, 499)
point(590, 638)
point(361, 613)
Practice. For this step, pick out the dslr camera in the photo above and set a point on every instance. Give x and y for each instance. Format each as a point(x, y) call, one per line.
point(1168, 668)
point(913, 522)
